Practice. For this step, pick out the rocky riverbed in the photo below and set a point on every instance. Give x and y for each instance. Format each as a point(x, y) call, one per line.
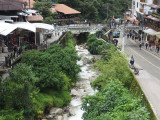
point(82, 88)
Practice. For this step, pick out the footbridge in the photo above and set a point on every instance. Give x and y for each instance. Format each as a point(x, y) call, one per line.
point(80, 28)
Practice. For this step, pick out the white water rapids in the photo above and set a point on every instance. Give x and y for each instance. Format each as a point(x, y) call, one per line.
point(83, 86)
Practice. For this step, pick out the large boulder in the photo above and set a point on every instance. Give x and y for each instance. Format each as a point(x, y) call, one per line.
point(56, 111)
point(59, 117)
point(65, 117)
point(74, 92)
point(72, 112)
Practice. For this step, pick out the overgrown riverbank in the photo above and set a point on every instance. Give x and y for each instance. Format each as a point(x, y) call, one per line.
point(119, 96)
point(42, 80)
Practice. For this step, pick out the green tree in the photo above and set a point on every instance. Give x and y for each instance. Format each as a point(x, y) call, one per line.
point(44, 7)
point(54, 65)
point(95, 46)
point(98, 10)
point(114, 102)
point(21, 89)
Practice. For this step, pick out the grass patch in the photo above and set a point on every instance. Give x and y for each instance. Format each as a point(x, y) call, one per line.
point(50, 98)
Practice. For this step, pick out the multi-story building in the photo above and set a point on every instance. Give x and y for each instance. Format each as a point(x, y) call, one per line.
point(147, 11)
point(141, 8)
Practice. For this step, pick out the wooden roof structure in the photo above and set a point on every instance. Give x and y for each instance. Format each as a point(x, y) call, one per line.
point(34, 18)
point(64, 9)
point(10, 5)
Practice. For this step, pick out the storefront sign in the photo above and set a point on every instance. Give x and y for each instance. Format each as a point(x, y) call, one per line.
point(156, 15)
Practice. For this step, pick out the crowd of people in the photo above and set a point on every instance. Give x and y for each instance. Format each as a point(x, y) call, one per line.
point(149, 45)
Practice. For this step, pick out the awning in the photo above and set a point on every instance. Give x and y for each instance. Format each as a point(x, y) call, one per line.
point(150, 31)
point(43, 26)
point(153, 6)
point(158, 35)
point(132, 19)
point(6, 28)
point(26, 26)
point(153, 18)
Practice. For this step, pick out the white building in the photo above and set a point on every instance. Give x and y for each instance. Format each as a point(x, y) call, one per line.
point(141, 7)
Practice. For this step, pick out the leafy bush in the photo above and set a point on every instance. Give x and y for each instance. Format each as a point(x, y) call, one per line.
point(114, 102)
point(95, 46)
point(56, 67)
point(49, 98)
point(20, 89)
point(115, 66)
point(11, 115)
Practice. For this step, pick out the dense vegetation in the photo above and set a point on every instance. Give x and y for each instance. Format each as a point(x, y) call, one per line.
point(98, 10)
point(40, 81)
point(95, 46)
point(43, 6)
point(115, 99)
point(92, 10)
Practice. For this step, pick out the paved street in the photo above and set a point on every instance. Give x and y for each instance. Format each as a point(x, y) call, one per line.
point(149, 77)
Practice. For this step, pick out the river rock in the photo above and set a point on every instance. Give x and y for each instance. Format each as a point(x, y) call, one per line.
point(74, 92)
point(56, 111)
point(65, 117)
point(49, 116)
point(59, 117)
point(72, 112)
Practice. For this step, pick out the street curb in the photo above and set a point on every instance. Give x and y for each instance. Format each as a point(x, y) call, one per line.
point(143, 91)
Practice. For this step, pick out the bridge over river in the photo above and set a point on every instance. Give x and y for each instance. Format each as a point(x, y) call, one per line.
point(78, 28)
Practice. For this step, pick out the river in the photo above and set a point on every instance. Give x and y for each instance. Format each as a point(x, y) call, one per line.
point(83, 86)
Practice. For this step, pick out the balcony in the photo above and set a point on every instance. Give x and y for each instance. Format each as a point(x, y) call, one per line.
point(155, 2)
point(141, 10)
point(143, 1)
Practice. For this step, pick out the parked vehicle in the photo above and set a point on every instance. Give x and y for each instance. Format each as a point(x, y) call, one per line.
point(116, 34)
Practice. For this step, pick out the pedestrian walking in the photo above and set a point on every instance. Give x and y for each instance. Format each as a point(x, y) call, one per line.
point(140, 45)
point(150, 46)
point(116, 42)
point(130, 34)
point(15, 50)
point(132, 61)
point(127, 35)
point(158, 49)
point(155, 47)
point(119, 46)
point(133, 37)
point(146, 44)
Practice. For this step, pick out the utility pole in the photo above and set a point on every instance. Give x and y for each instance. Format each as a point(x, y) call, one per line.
point(29, 4)
point(107, 10)
point(123, 35)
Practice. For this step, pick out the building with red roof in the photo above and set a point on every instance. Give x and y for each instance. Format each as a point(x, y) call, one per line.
point(66, 14)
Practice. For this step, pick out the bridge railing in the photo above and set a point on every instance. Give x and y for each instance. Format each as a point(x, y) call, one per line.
point(80, 28)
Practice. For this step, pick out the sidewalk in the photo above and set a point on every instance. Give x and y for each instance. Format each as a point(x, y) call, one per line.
point(152, 51)
point(148, 83)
